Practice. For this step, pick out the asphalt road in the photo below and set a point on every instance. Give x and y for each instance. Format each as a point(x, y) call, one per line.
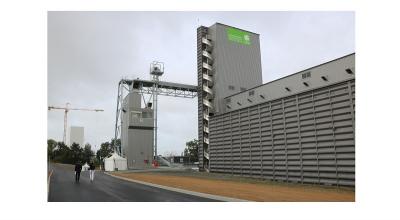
point(105, 188)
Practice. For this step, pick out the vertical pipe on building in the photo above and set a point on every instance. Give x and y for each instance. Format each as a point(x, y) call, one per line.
point(315, 136)
point(272, 141)
point(155, 100)
point(251, 161)
point(285, 138)
point(117, 116)
point(260, 143)
point(299, 136)
point(333, 136)
point(231, 141)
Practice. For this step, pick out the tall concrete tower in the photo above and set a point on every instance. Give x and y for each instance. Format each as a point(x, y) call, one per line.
point(76, 135)
point(228, 61)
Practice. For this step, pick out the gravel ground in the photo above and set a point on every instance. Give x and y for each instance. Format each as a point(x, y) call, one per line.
point(240, 187)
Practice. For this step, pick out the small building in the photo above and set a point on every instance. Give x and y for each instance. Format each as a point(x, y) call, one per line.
point(85, 167)
point(115, 163)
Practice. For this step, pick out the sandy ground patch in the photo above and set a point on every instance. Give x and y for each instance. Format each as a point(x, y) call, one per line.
point(255, 191)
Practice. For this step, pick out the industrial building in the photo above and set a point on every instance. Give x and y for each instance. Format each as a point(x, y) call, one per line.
point(228, 61)
point(76, 135)
point(299, 128)
point(137, 132)
point(136, 121)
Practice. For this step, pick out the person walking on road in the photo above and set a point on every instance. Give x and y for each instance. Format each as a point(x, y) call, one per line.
point(78, 169)
point(91, 171)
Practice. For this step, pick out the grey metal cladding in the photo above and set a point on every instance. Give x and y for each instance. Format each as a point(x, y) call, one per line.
point(306, 137)
point(234, 64)
point(137, 132)
point(319, 76)
point(299, 128)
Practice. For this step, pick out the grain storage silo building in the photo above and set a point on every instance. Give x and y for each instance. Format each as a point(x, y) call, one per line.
point(299, 128)
point(229, 61)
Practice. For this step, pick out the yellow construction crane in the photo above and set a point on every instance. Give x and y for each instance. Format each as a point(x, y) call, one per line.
point(66, 110)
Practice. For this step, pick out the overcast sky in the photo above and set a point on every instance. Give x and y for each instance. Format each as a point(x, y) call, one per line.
point(89, 52)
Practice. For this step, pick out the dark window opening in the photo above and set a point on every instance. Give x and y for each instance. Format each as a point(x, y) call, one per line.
point(287, 89)
point(231, 87)
point(251, 93)
point(306, 75)
point(242, 89)
point(349, 71)
point(306, 84)
point(228, 100)
point(324, 78)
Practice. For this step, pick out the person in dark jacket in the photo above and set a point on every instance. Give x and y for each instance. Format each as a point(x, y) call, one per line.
point(91, 171)
point(78, 169)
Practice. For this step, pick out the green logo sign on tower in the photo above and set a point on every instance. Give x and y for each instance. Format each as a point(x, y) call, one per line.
point(238, 36)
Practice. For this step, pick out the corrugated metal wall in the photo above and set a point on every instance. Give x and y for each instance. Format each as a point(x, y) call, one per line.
point(235, 64)
point(307, 138)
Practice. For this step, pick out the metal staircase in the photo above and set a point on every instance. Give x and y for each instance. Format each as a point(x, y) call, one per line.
point(207, 94)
